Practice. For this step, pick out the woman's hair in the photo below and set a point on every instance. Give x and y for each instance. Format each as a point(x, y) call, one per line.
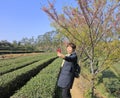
point(72, 45)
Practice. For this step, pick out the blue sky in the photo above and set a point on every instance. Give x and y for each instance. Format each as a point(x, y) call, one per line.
point(24, 18)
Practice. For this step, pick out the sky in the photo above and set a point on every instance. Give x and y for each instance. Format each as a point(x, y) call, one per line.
point(24, 18)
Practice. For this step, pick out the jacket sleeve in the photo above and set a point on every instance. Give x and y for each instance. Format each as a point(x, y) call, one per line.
point(71, 58)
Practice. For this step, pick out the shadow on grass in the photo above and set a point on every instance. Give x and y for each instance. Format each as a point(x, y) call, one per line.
point(108, 74)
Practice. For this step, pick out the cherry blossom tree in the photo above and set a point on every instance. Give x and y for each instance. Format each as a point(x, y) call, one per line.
point(94, 25)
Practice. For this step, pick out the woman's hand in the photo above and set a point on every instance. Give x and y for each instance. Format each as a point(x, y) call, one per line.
point(60, 55)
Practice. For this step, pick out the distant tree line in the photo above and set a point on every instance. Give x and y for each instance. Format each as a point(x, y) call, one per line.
point(49, 42)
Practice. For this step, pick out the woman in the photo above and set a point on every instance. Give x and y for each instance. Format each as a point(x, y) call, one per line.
point(66, 76)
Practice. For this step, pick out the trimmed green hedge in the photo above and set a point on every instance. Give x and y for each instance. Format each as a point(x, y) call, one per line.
point(43, 85)
point(13, 80)
point(13, 64)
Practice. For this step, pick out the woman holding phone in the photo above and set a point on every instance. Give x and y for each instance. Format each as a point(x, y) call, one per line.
point(66, 77)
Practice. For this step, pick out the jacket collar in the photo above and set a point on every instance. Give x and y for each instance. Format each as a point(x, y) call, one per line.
point(73, 53)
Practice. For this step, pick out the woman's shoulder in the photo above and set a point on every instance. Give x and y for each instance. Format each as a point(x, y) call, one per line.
point(74, 53)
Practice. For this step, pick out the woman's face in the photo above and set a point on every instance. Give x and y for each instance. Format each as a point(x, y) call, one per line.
point(69, 50)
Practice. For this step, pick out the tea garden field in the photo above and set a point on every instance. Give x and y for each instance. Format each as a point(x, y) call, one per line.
point(32, 76)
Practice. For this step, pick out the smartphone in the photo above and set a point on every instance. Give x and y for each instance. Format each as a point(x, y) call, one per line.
point(59, 50)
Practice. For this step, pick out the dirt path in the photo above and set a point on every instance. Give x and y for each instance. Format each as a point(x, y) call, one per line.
point(77, 90)
point(8, 56)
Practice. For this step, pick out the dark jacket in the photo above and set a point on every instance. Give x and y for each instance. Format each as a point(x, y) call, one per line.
point(66, 76)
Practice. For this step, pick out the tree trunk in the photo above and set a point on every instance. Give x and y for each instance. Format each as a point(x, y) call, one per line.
point(93, 87)
point(92, 80)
